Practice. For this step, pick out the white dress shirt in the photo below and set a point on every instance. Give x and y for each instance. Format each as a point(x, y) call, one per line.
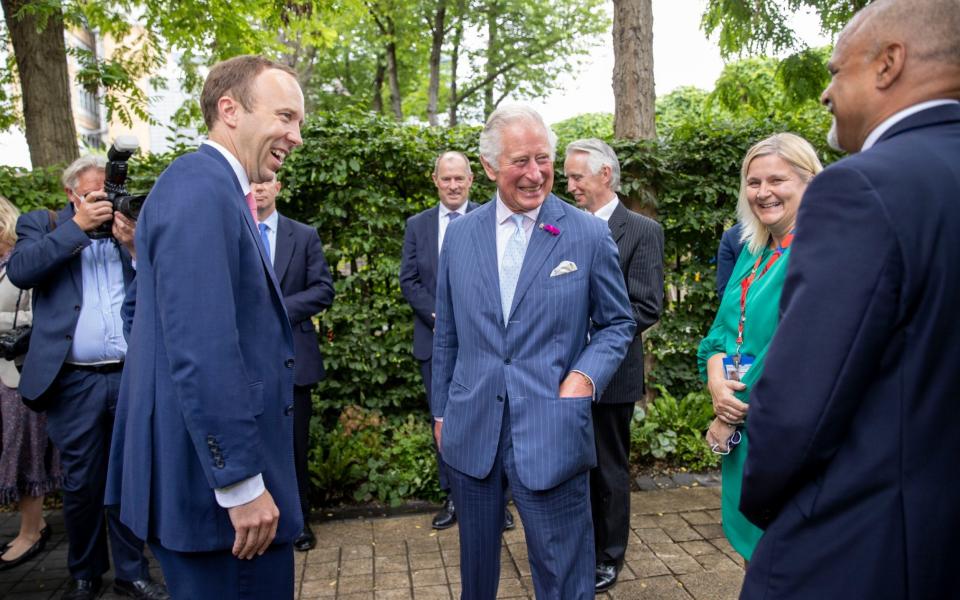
point(249, 489)
point(444, 220)
point(606, 211)
point(895, 118)
point(505, 227)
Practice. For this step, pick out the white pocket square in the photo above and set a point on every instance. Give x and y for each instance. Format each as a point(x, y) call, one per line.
point(563, 268)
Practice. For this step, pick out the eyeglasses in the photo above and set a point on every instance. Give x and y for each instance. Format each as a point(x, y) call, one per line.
point(732, 441)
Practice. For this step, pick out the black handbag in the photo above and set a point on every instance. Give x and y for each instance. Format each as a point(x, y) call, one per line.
point(15, 342)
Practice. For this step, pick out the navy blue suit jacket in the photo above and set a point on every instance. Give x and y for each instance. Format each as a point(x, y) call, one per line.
point(853, 425)
point(207, 390)
point(477, 362)
point(307, 287)
point(418, 274)
point(727, 254)
point(48, 260)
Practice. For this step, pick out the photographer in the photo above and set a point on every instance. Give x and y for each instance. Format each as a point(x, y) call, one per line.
point(72, 369)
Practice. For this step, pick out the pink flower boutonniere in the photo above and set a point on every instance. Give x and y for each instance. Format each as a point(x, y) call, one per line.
point(550, 229)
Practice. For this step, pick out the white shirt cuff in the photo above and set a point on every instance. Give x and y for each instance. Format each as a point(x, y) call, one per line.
point(242, 492)
point(438, 419)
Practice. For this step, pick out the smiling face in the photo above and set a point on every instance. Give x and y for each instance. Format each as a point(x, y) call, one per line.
point(264, 136)
point(453, 180)
point(774, 190)
point(590, 190)
point(851, 96)
point(524, 169)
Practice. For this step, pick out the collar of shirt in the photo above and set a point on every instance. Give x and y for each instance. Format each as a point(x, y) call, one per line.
point(444, 211)
point(234, 164)
point(895, 118)
point(504, 213)
point(271, 221)
point(606, 211)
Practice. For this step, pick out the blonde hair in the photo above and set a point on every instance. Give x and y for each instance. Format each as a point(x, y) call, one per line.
point(801, 157)
point(8, 222)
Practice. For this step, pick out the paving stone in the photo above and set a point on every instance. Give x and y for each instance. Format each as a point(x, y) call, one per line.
point(318, 589)
point(354, 552)
point(645, 483)
point(718, 561)
point(389, 549)
point(698, 547)
point(357, 596)
point(709, 531)
point(723, 585)
point(432, 560)
point(436, 592)
point(699, 517)
point(654, 536)
point(349, 568)
point(682, 534)
point(675, 558)
point(429, 577)
point(398, 594)
point(323, 555)
point(356, 583)
point(388, 581)
point(420, 546)
point(682, 479)
point(325, 571)
point(511, 588)
point(390, 564)
point(653, 588)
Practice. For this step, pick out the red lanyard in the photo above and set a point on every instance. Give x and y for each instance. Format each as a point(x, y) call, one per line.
point(748, 281)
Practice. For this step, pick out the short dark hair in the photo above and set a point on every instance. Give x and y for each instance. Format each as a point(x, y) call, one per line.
point(233, 77)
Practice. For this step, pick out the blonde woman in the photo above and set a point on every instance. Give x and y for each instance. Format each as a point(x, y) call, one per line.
point(29, 464)
point(774, 174)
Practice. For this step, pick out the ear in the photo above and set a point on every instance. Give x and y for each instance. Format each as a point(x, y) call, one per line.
point(890, 63)
point(605, 174)
point(70, 195)
point(228, 111)
point(488, 169)
point(279, 186)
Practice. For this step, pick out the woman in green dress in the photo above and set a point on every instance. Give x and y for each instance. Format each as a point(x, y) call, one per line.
point(773, 177)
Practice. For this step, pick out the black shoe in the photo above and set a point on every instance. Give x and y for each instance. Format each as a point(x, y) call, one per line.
point(508, 523)
point(30, 553)
point(82, 589)
point(447, 516)
point(143, 589)
point(306, 540)
point(606, 576)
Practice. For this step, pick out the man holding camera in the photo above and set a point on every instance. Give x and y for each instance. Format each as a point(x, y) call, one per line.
point(73, 367)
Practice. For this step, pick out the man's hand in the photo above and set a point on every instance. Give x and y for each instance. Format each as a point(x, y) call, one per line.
point(93, 211)
point(576, 385)
point(256, 525)
point(123, 230)
point(437, 427)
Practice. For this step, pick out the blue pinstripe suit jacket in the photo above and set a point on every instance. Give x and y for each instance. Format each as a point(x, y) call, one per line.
point(478, 362)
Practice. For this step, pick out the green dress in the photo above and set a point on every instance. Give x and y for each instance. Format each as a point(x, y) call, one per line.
point(762, 316)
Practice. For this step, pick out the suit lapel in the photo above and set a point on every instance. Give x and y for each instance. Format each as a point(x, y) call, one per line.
point(538, 248)
point(284, 249)
point(432, 227)
point(485, 239)
point(618, 222)
point(76, 267)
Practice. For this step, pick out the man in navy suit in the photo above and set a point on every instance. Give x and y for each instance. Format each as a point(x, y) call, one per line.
point(727, 254)
point(852, 427)
point(301, 268)
point(418, 277)
point(524, 282)
point(202, 460)
point(593, 178)
point(73, 367)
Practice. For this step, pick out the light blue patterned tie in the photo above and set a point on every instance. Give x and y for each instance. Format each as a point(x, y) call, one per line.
point(265, 239)
point(511, 264)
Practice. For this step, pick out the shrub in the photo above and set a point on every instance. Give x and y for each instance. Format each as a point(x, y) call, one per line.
point(673, 429)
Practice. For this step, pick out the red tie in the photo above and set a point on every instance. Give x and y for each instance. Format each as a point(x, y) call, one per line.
point(252, 205)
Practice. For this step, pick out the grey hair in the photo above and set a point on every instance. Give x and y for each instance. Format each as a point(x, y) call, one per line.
point(490, 138)
point(443, 155)
point(71, 175)
point(598, 153)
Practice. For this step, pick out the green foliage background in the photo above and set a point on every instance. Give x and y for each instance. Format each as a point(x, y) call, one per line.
point(358, 177)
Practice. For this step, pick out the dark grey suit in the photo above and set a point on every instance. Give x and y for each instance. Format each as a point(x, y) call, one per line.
point(640, 242)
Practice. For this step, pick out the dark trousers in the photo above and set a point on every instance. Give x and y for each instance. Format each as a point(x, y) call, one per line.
point(80, 425)
point(610, 481)
point(426, 370)
point(556, 525)
point(222, 576)
point(302, 412)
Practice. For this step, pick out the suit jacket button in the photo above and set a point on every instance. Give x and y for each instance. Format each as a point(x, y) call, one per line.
point(69, 337)
point(499, 398)
point(288, 410)
point(77, 308)
point(506, 362)
point(288, 363)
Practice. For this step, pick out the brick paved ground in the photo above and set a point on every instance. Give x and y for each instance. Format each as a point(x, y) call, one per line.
point(676, 552)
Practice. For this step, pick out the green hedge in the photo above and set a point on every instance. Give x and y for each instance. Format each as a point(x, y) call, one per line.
point(358, 177)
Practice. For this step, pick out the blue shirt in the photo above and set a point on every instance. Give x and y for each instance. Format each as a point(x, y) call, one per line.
point(98, 337)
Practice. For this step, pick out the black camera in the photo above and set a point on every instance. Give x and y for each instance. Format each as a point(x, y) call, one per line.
point(115, 185)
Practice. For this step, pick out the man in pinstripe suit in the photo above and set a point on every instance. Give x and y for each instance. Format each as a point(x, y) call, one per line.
point(593, 178)
point(522, 281)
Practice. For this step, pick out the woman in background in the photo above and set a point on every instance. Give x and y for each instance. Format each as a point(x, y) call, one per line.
point(774, 174)
point(29, 463)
